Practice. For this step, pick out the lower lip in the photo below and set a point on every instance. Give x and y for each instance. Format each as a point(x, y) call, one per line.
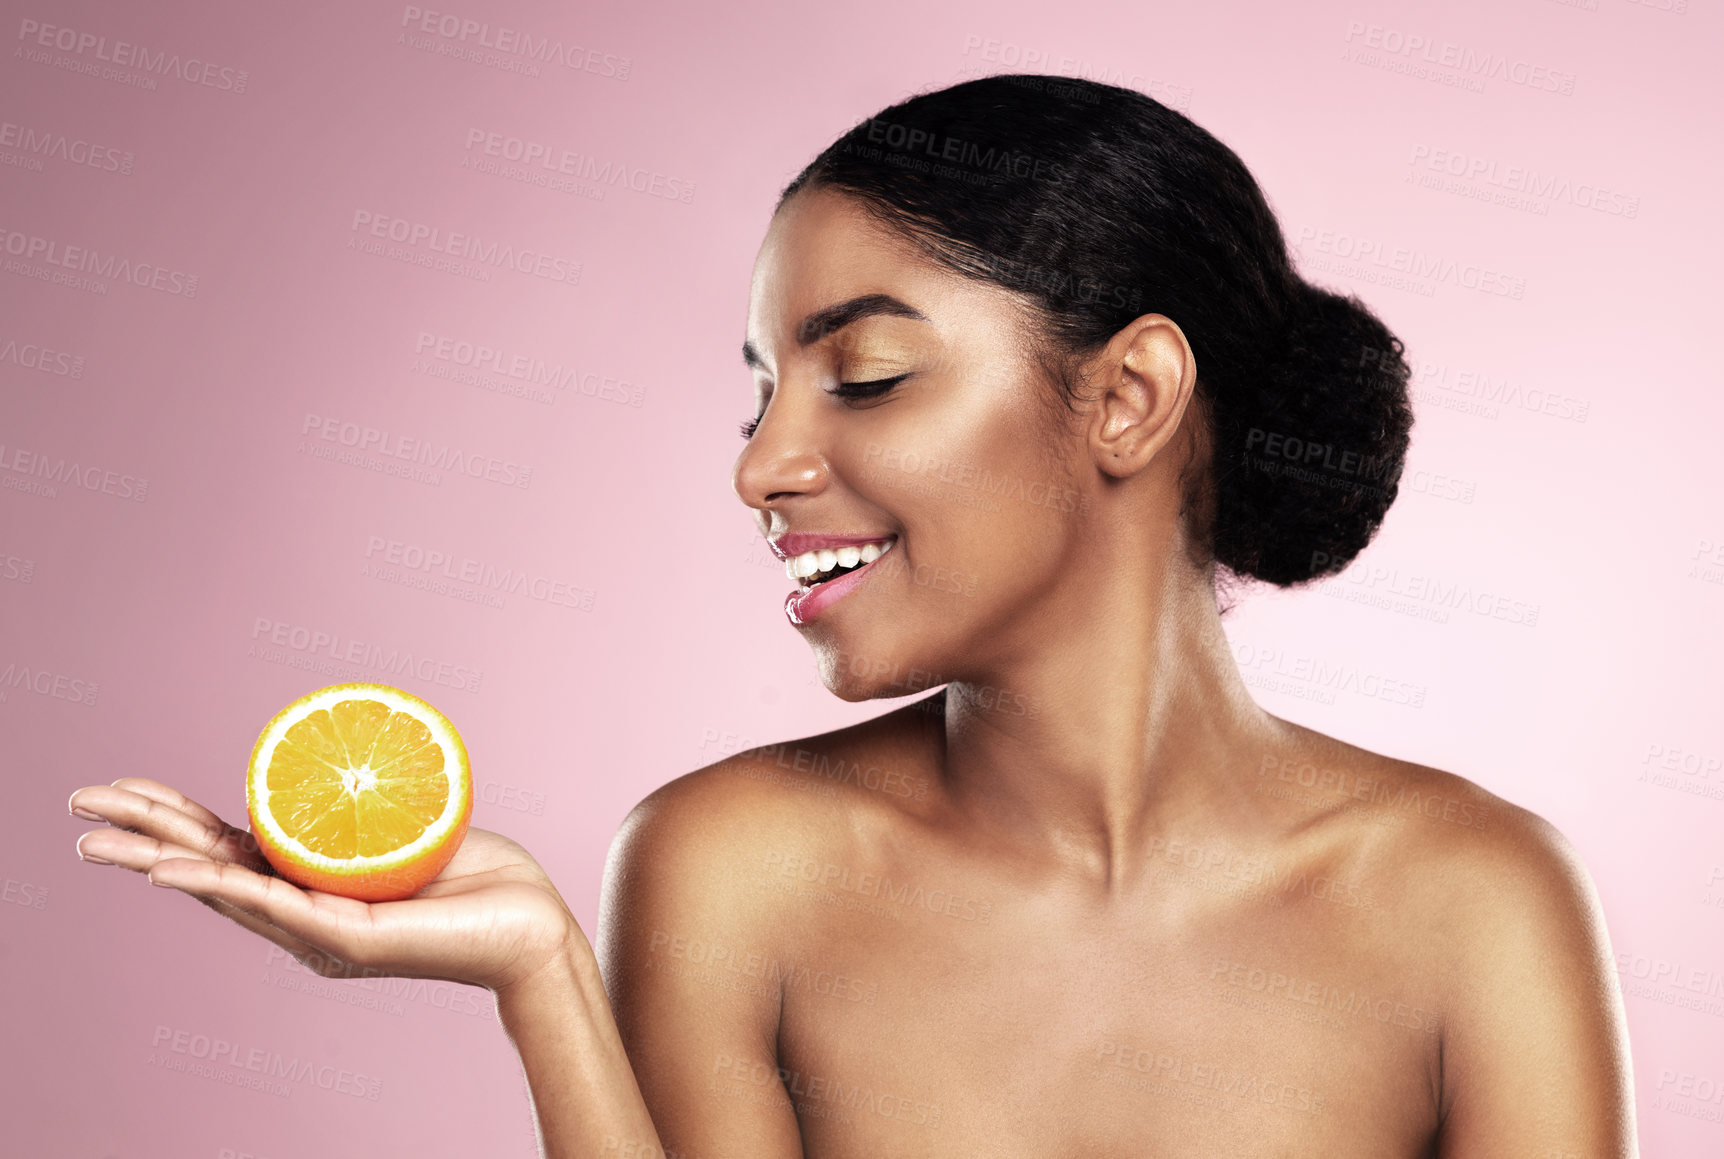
point(803, 607)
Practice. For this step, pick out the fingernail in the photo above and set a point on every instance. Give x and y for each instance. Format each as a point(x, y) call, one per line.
point(91, 857)
point(80, 811)
point(163, 884)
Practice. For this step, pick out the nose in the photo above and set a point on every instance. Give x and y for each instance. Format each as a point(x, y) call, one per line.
point(781, 460)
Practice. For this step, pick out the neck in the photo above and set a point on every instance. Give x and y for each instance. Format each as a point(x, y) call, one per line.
point(1103, 720)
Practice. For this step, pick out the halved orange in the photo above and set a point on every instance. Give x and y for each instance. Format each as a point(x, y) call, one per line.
point(359, 789)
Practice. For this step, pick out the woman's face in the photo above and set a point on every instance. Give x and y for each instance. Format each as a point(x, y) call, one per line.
point(964, 464)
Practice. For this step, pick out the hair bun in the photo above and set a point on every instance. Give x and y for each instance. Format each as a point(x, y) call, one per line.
point(1309, 449)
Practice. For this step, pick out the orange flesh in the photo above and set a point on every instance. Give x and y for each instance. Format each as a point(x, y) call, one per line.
point(356, 780)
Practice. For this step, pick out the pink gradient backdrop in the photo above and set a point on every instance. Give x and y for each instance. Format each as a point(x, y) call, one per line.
point(1584, 500)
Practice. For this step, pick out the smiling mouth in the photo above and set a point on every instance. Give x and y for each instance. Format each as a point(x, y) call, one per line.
point(812, 568)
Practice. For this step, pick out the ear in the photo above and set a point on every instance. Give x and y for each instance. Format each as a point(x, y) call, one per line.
point(1145, 375)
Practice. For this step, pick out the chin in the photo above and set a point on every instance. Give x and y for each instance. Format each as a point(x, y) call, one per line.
point(853, 675)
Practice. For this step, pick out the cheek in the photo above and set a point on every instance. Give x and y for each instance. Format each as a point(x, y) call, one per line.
point(984, 514)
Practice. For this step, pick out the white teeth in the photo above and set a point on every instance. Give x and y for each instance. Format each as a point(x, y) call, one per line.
point(800, 567)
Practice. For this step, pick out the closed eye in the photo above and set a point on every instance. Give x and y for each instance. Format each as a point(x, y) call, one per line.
point(872, 389)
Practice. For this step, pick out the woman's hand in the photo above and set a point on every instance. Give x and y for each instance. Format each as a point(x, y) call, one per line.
point(492, 918)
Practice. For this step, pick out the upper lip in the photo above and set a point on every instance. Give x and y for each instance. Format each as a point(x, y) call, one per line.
point(794, 543)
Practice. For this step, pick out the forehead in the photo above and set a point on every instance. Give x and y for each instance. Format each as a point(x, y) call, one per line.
point(823, 247)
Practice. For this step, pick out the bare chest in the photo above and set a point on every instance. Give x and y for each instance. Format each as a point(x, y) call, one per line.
point(940, 1015)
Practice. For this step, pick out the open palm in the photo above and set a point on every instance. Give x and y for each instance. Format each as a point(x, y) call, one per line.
point(491, 918)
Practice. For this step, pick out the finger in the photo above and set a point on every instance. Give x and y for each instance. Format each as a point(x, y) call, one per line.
point(240, 839)
point(136, 851)
point(320, 919)
point(168, 795)
point(269, 931)
point(139, 813)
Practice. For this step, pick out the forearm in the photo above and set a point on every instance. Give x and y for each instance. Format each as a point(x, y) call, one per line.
point(583, 1089)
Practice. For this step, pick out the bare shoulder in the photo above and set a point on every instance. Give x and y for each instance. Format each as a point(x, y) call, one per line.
point(709, 832)
point(1425, 823)
point(1508, 902)
point(1473, 888)
point(696, 938)
point(1479, 865)
point(1489, 909)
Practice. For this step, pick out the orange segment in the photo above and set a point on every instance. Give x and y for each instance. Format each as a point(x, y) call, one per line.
point(360, 789)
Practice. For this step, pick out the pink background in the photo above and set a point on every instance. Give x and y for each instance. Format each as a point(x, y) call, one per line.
point(1564, 466)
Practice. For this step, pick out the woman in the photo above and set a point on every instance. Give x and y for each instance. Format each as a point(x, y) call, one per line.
point(1030, 364)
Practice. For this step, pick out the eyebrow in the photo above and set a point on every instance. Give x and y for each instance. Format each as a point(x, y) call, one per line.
point(834, 318)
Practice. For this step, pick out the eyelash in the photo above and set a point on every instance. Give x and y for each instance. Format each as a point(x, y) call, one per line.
point(874, 389)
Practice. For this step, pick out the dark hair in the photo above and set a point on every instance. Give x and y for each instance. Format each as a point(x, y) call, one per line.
point(1102, 204)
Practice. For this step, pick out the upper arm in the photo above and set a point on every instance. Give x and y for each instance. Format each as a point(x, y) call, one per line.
point(684, 932)
point(1535, 1046)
